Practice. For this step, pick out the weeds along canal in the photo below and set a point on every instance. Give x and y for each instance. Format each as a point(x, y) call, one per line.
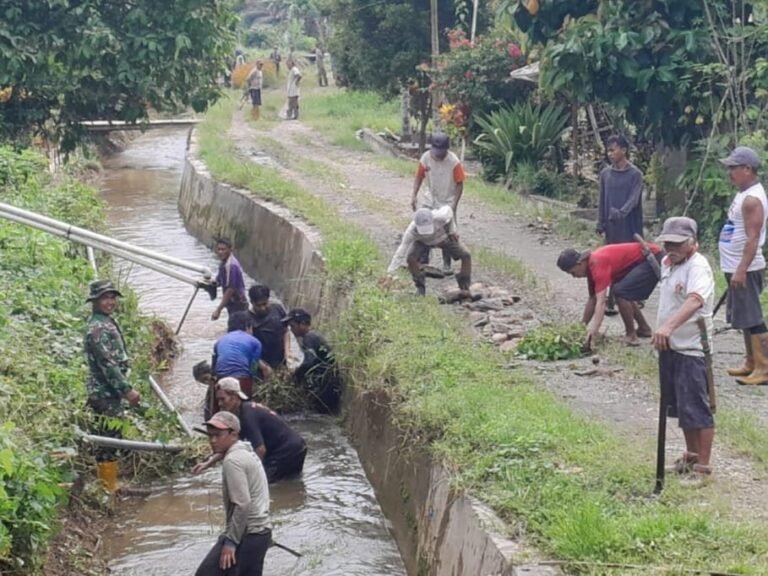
point(330, 514)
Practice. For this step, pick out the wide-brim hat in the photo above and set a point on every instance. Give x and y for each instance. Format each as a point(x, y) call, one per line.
point(99, 288)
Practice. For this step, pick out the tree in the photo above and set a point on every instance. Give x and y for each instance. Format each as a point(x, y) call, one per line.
point(377, 45)
point(71, 60)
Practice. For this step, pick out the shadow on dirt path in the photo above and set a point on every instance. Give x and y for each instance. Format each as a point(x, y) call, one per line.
point(378, 201)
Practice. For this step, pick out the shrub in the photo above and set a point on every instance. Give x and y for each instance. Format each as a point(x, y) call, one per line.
point(548, 183)
point(522, 133)
point(550, 343)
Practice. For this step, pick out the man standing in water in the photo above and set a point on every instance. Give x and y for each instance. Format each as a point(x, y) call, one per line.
point(231, 280)
point(620, 206)
point(107, 371)
point(242, 547)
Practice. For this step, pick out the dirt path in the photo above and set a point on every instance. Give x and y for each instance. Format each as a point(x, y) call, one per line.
point(379, 201)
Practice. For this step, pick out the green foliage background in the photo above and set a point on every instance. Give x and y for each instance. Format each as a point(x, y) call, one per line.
point(43, 281)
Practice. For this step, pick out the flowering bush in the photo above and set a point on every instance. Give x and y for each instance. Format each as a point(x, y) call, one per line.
point(474, 78)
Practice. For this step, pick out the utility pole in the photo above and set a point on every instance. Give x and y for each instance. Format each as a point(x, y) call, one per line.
point(435, 32)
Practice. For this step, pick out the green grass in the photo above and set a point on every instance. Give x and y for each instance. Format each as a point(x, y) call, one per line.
point(488, 258)
point(348, 251)
point(579, 491)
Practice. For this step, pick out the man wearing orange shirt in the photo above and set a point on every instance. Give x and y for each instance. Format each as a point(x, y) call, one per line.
point(622, 268)
point(445, 177)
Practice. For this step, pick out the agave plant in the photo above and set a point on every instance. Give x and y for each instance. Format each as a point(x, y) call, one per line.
point(520, 134)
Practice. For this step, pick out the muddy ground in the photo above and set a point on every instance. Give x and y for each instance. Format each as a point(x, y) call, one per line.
point(378, 200)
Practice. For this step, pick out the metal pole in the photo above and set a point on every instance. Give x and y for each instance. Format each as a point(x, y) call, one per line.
point(88, 236)
point(91, 259)
point(167, 403)
point(104, 248)
point(474, 20)
point(131, 444)
point(186, 311)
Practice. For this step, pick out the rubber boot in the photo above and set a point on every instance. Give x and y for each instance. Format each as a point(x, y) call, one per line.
point(760, 354)
point(749, 360)
point(420, 281)
point(107, 473)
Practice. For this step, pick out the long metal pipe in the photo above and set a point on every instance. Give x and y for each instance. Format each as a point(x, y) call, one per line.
point(167, 403)
point(75, 237)
point(131, 444)
point(88, 236)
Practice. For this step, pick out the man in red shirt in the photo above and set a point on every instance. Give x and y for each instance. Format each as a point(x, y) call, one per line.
point(622, 268)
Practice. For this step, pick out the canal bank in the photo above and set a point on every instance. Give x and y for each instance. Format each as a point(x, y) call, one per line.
point(439, 529)
point(329, 511)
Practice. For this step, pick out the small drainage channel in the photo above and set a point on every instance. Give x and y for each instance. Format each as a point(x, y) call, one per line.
point(330, 514)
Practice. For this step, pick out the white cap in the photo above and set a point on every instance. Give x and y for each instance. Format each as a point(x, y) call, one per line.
point(231, 385)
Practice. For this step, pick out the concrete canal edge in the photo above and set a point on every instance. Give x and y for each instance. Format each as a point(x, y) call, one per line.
point(439, 531)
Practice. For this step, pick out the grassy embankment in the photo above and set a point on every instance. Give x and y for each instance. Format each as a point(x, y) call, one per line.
point(580, 493)
point(740, 429)
point(43, 283)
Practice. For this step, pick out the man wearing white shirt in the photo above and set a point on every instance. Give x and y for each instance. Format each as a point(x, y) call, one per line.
point(294, 79)
point(742, 261)
point(431, 229)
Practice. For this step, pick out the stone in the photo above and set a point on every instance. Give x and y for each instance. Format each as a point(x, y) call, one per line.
point(478, 319)
point(486, 304)
point(477, 287)
point(527, 316)
point(496, 292)
point(509, 346)
point(499, 337)
point(510, 300)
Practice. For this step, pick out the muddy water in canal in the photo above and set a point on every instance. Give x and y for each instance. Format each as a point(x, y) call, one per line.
point(330, 514)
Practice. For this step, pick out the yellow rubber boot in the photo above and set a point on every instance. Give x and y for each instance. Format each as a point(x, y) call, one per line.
point(760, 353)
point(749, 360)
point(107, 473)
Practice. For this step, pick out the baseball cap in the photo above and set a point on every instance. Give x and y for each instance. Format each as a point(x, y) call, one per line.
point(297, 315)
point(569, 258)
point(224, 421)
point(742, 156)
point(425, 223)
point(231, 385)
point(440, 141)
point(678, 229)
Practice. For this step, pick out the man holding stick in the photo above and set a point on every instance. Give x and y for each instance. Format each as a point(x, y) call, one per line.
point(686, 294)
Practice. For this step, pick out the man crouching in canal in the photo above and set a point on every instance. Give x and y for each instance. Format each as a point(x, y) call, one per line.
point(248, 534)
point(686, 293)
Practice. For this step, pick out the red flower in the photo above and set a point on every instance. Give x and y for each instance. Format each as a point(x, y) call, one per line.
point(514, 50)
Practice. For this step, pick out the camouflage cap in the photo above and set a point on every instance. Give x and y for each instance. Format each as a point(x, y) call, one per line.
point(98, 288)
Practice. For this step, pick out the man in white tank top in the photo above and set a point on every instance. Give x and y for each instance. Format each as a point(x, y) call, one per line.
point(742, 261)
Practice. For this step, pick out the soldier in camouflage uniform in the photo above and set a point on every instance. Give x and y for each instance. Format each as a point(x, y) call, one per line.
point(107, 361)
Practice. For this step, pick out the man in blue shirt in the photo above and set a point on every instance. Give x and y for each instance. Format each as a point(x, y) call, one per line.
point(238, 353)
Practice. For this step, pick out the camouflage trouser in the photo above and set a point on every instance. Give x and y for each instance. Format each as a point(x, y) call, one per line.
point(105, 408)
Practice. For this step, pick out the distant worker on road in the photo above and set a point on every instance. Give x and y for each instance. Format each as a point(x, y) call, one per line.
point(231, 280)
point(431, 229)
point(281, 449)
point(741, 259)
point(318, 372)
point(254, 81)
point(108, 370)
point(620, 204)
point(242, 547)
point(292, 89)
point(445, 177)
point(686, 293)
point(624, 269)
point(276, 58)
point(322, 75)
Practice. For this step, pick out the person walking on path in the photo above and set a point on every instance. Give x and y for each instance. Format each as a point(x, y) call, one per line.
point(276, 58)
point(292, 89)
point(238, 353)
point(431, 229)
point(242, 547)
point(254, 81)
point(268, 328)
point(231, 280)
point(741, 259)
point(281, 449)
point(318, 371)
point(445, 182)
point(620, 204)
point(686, 294)
point(108, 369)
point(322, 75)
point(622, 268)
